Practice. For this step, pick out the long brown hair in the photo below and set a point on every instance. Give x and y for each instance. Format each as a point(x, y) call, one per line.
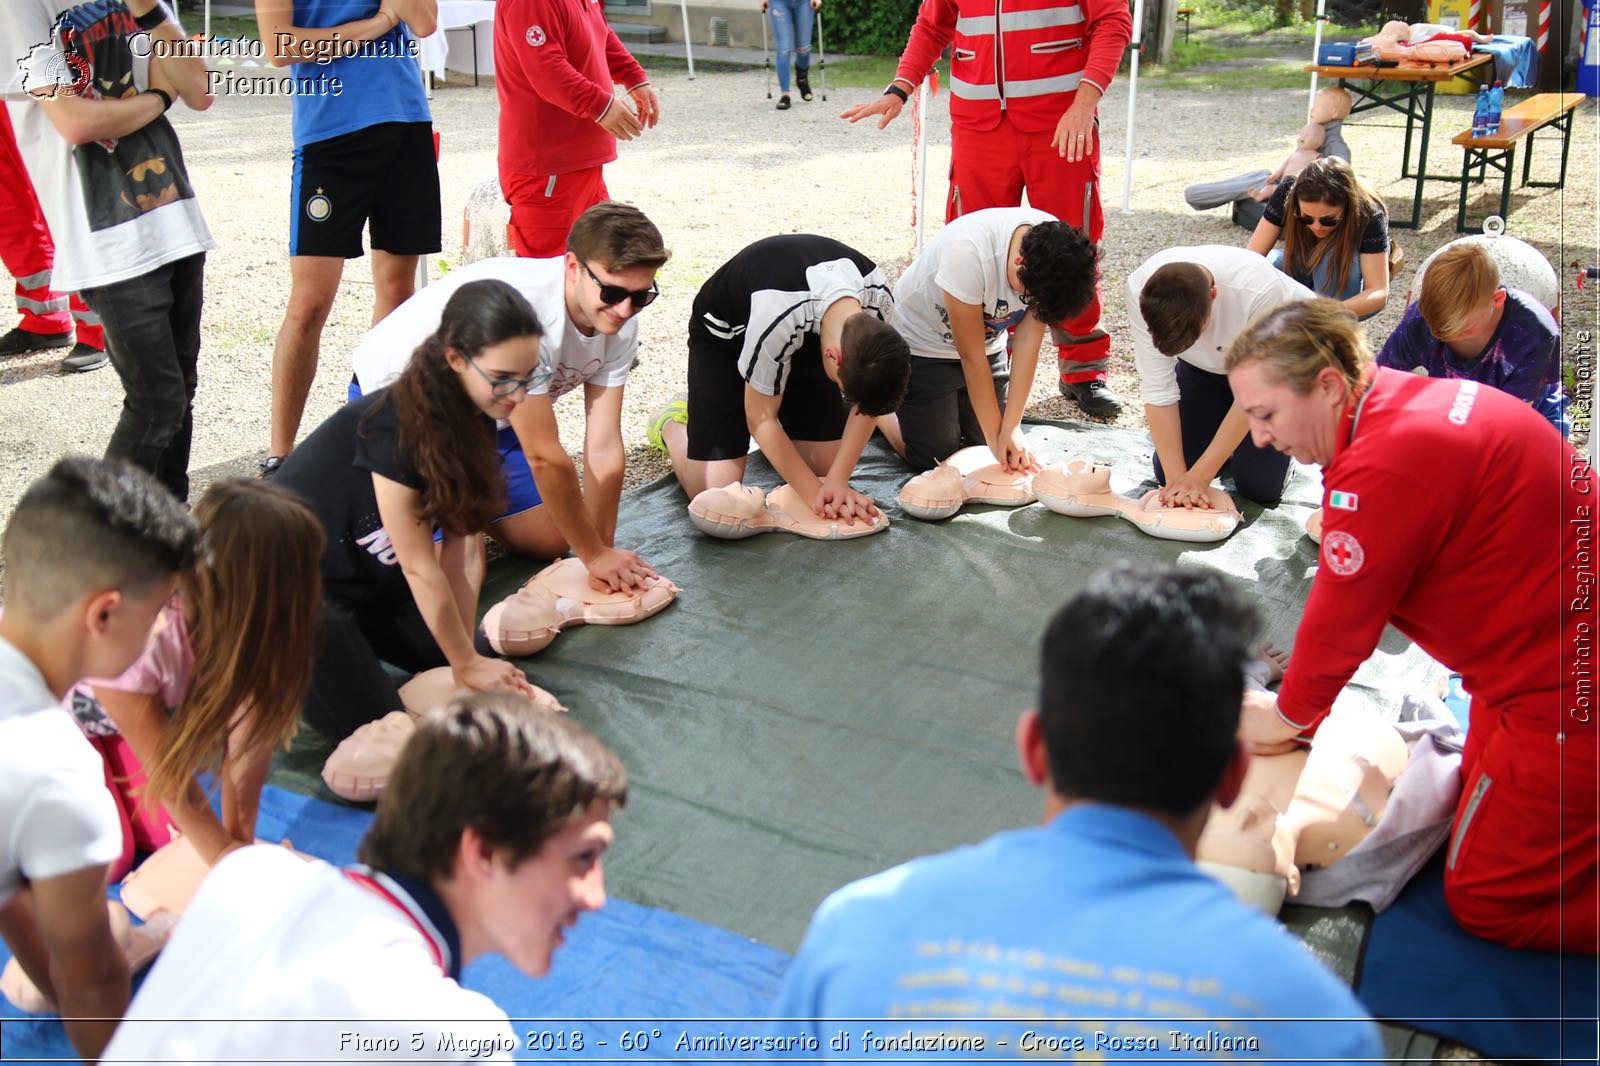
point(250, 606)
point(1328, 180)
point(442, 432)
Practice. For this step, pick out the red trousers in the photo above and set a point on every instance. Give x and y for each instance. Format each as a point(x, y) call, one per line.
point(991, 168)
point(1521, 864)
point(544, 207)
point(145, 826)
point(29, 253)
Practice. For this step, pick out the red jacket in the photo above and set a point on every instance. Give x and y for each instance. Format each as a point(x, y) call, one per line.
point(1467, 523)
point(1046, 48)
point(555, 64)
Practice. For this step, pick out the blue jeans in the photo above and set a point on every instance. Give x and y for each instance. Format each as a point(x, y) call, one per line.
point(791, 36)
point(1321, 279)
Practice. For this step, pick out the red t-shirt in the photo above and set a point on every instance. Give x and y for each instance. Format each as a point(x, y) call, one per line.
point(555, 64)
point(1458, 514)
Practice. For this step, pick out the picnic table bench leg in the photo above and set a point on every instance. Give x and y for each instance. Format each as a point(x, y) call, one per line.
point(1565, 125)
point(1505, 186)
point(1422, 161)
point(1461, 200)
point(1411, 114)
point(1527, 156)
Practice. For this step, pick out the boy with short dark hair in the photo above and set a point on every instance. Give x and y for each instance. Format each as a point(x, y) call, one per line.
point(488, 839)
point(986, 274)
point(92, 554)
point(1465, 324)
point(790, 342)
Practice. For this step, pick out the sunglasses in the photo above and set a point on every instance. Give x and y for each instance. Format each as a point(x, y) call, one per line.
point(611, 295)
point(1329, 221)
point(500, 388)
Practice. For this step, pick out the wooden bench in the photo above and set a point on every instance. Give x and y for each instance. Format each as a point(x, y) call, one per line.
point(1186, 13)
point(1499, 150)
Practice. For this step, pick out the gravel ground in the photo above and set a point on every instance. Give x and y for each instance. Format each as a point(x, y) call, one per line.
point(724, 169)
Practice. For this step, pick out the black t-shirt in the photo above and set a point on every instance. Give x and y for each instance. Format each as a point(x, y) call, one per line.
point(1375, 238)
point(763, 306)
point(332, 471)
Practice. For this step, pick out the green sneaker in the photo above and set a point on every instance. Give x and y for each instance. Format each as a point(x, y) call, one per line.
point(676, 410)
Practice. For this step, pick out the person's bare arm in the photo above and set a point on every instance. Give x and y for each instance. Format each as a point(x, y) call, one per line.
point(175, 62)
point(88, 974)
point(966, 326)
point(461, 559)
point(1374, 285)
point(1024, 363)
point(836, 499)
point(287, 44)
point(1264, 237)
point(83, 121)
point(603, 458)
point(244, 774)
point(761, 416)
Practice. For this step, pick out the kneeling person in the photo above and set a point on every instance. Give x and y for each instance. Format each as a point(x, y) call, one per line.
point(488, 840)
point(983, 275)
point(789, 343)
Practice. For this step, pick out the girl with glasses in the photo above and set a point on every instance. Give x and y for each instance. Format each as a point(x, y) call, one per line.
point(1335, 233)
point(388, 472)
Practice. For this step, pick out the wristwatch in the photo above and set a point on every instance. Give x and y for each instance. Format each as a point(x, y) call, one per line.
point(894, 90)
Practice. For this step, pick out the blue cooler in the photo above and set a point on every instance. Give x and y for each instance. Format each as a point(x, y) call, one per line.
point(1336, 54)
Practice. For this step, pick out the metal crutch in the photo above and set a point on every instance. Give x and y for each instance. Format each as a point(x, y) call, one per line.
point(766, 56)
point(822, 57)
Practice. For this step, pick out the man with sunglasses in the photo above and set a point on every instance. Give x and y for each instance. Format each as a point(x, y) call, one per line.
point(586, 301)
point(789, 343)
point(1185, 306)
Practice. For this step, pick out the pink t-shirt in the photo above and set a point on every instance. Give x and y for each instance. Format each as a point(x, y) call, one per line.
point(163, 670)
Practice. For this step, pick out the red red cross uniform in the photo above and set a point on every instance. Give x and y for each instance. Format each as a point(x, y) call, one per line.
point(1015, 69)
point(1476, 554)
point(29, 253)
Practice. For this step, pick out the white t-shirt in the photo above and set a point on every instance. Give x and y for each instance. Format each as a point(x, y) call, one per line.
point(116, 209)
point(968, 260)
point(1247, 284)
point(56, 814)
point(271, 940)
point(567, 358)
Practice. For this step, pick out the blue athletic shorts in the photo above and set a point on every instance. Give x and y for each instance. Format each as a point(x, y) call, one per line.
point(521, 493)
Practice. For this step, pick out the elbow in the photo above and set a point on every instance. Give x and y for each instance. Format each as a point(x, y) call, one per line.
point(423, 27)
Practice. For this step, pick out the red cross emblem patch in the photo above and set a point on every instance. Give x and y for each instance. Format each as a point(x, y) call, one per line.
point(1343, 553)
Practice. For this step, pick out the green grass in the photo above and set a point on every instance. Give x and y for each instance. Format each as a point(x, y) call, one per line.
point(233, 26)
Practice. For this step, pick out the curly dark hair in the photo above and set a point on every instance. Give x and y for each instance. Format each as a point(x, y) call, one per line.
point(441, 430)
point(876, 365)
point(1060, 268)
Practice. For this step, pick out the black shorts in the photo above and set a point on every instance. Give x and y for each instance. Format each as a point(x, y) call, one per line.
point(386, 173)
point(812, 408)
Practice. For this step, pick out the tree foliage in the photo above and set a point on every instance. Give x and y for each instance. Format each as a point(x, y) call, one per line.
point(869, 27)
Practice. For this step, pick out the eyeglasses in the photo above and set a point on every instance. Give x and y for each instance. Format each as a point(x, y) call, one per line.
point(1328, 221)
point(500, 388)
point(611, 295)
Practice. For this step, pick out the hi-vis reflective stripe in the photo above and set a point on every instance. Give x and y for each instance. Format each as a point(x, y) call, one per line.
point(1041, 19)
point(1064, 83)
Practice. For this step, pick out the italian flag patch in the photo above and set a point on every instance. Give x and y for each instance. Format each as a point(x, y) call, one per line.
point(1344, 501)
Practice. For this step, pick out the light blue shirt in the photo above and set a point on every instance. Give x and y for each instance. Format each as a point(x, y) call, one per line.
point(1096, 928)
point(381, 83)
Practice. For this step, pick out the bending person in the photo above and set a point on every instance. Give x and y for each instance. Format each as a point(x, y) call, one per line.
point(587, 301)
point(789, 343)
point(1184, 306)
point(209, 690)
point(1335, 233)
point(382, 474)
point(1448, 513)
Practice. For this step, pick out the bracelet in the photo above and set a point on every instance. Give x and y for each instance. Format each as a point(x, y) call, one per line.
point(152, 18)
point(895, 90)
point(166, 98)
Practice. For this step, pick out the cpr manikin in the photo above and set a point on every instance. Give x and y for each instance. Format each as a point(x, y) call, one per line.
point(1307, 150)
point(736, 511)
point(1314, 526)
point(969, 476)
point(359, 767)
point(559, 596)
point(139, 944)
point(1082, 489)
point(1424, 44)
point(1304, 809)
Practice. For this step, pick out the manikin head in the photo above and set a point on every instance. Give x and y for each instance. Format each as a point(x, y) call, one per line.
point(1311, 137)
point(1461, 294)
point(1293, 370)
point(871, 365)
point(1330, 105)
point(1396, 30)
point(92, 553)
point(1056, 269)
point(506, 813)
point(1142, 677)
point(613, 254)
point(1176, 305)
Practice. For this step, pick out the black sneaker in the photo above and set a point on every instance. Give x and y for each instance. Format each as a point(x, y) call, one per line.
point(802, 81)
point(21, 340)
point(783, 102)
point(1094, 397)
point(84, 358)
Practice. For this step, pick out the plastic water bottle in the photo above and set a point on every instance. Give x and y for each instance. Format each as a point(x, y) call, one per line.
point(1480, 112)
point(1497, 100)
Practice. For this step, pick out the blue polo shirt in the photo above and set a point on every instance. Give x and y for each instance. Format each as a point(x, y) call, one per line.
point(1093, 933)
point(381, 83)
